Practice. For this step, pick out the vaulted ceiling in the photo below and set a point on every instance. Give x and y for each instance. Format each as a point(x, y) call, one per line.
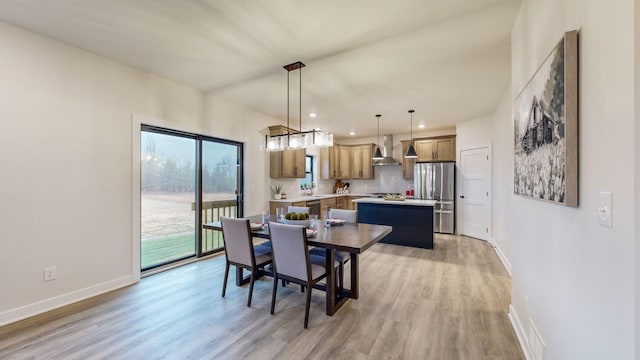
point(447, 59)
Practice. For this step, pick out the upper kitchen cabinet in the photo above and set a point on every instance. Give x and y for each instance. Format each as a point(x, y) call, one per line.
point(287, 163)
point(407, 164)
point(344, 164)
point(361, 161)
point(335, 162)
point(436, 149)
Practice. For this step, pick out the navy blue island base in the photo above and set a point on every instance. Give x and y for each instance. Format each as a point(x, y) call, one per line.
point(412, 225)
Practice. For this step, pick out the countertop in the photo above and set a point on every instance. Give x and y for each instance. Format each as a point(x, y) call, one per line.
point(409, 202)
point(313, 197)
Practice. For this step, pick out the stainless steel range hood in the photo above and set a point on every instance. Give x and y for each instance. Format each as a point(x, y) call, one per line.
point(387, 152)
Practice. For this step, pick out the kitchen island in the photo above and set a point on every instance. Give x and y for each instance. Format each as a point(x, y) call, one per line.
point(412, 220)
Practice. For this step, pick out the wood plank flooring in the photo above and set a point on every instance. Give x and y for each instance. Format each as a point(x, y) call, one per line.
point(447, 303)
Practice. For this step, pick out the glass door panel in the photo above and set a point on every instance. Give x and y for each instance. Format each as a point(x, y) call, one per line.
point(168, 196)
point(221, 187)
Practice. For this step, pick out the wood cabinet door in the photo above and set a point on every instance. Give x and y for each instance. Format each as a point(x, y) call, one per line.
point(287, 164)
point(367, 162)
point(407, 164)
point(425, 150)
point(334, 159)
point(299, 163)
point(356, 162)
point(344, 165)
point(445, 149)
point(341, 202)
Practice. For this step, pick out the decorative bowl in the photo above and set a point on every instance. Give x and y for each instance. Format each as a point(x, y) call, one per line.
point(296, 222)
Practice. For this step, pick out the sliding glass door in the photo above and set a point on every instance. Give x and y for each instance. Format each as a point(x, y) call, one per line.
point(221, 187)
point(186, 180)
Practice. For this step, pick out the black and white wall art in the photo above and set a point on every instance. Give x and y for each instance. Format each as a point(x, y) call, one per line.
point(546, 128)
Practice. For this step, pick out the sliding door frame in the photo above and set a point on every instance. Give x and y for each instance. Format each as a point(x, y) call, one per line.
point(142, 123)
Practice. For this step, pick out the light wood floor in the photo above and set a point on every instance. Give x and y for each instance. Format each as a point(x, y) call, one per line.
point(449, 303)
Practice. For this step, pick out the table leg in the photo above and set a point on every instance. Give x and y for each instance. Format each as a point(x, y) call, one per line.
point(331, 288)
point(240, 280)
point(355, 293)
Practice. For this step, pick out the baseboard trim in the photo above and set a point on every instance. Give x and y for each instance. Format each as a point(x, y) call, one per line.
point(501, 256)
point(37, 308)
point(520, 332)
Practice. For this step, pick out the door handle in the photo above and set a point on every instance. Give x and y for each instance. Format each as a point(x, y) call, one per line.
point(461, 196)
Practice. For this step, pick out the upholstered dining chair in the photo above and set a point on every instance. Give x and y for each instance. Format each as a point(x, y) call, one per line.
point(350, 216)
point(240, 251)
point(291, 261)
point(299, 209)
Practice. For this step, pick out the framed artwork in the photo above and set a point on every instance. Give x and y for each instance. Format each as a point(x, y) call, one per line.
point(546, 128)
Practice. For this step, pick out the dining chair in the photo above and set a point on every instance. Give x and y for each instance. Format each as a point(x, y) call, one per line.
point(292, 262)
point(240, 251)
point(350, 216)
point(299, 209)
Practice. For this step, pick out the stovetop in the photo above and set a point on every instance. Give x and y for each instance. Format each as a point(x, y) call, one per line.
point(380, 195)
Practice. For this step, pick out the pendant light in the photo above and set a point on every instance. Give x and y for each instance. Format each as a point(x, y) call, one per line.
point(300, 139)
point(377, 155)
point(411, 151)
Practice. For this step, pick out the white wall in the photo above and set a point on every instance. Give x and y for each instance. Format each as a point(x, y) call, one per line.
point(65, 152)
point(578, 277)
point(502, 178)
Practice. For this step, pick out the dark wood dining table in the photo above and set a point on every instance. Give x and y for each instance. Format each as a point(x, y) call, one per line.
point(351, 238)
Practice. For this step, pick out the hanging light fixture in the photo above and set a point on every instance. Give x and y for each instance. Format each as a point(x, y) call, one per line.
point(300, 139)
point(411, 151)
point(377, 155)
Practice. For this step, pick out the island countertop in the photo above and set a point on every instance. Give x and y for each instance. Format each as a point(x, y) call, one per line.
point(410, 202)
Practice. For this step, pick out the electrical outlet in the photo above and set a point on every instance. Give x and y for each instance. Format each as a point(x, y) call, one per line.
point(50, 273)
point(605, 212)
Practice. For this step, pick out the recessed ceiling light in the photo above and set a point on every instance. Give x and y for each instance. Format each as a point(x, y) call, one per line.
point(352, 133)
point(313, 115)
point(317, 129)
point(421, 126)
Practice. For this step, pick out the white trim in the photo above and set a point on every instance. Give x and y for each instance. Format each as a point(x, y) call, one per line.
point(501, 255)
point(59, 301)
point(520, 332)
point(135, 196)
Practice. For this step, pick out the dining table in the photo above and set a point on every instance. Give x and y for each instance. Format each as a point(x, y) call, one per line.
point(351, 238)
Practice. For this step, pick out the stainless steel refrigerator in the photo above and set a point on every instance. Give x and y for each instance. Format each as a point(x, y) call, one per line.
point(436, 181)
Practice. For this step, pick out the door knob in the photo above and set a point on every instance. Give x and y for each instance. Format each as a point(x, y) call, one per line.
point(461, 196)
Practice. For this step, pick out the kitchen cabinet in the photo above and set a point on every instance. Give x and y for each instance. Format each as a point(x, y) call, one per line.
point(287, 164)
point(341, 202)
point(273, 205)
point(325, 205)
point(344, 162)
point(335, 162)
point(361, 162)
point(407, 164)
point(350, 204)
point(436, 149)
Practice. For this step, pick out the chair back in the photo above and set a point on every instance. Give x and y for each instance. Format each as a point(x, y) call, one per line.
point(299, 209)
point(350, 216)
point(289, 250)
point(237, 240)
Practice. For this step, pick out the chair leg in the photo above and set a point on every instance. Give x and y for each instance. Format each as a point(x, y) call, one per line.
point(226, 275)
point(273, 294)
point(306, 308)
point(253, 276)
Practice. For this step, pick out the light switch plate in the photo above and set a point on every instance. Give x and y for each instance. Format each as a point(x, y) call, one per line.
point(605, 210)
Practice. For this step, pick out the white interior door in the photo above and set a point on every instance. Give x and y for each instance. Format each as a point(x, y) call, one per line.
point(475, 197)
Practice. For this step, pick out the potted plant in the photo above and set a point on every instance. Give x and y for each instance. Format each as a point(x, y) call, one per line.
point(277, 191)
